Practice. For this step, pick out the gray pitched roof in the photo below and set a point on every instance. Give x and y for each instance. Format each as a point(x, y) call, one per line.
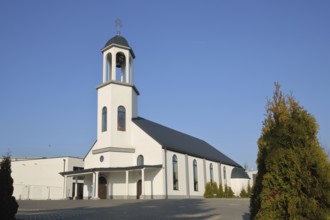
point(182, 143)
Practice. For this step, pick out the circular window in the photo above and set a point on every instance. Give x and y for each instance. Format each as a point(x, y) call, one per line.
point(101, 158)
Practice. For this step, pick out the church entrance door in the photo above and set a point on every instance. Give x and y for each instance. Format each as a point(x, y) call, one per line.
point(102, 188)
point(138, 189)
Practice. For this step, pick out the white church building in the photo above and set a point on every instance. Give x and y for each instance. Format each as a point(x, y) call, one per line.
point(135, 158)
point(132, 158)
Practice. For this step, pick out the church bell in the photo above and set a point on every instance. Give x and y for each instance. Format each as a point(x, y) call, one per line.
point(120, 60)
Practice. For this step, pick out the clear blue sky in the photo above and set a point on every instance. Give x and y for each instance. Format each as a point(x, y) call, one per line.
point(202, 67)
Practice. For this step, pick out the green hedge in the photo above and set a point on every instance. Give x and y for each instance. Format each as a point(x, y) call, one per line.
point(213, 191)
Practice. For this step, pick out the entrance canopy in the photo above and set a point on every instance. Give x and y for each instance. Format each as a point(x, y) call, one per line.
point(107, 169)
point(97, 182)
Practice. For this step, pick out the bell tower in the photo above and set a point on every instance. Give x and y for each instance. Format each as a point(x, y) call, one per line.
point(118, 61)
point(117, 95)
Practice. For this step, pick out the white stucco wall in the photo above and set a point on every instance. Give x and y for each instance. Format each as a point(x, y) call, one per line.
point(182, 180)
point(146, 146)
point(154, 184)
point(112, 96)
point(143, 145)
point(117, 188)
point(200, 174)
point(226, 180)
point(40, 178)
point(88, 190)
point(237, 184)
point(186, 182)
point(252, 174)
point(215, 171)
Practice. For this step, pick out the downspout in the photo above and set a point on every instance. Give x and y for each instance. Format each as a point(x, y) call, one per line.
point(64, 189)
point(166, 191)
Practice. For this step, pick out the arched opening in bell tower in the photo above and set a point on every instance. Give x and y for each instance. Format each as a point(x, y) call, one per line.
point(120, 67)
point(108, 68)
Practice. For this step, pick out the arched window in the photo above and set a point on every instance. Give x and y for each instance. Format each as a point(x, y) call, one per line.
point(104, 119)
point(121, 118)
point(175, 173)
point(224, 173)
point(140, 160)
point(195, 175)
point(211, 173)
point(102, 180)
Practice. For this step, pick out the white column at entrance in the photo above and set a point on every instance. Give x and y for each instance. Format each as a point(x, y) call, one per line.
point(142, 179)
point(64, 190)
point(127, 192)
point(93, 186)
point(96, 195)
point(76, 188)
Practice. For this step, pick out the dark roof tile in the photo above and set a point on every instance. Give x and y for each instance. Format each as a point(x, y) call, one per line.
point(182, 143)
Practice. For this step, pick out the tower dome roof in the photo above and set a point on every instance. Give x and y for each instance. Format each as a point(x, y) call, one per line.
point(240, 173)
point(119, 40)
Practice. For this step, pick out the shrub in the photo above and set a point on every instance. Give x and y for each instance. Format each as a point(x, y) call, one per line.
point(225, 192)
point(211, 190)
point(244, 193)
point(208, 191)
point(228, 192)
point(249, 190)
point(215, 189)
point(220, 193)
point(8, 204)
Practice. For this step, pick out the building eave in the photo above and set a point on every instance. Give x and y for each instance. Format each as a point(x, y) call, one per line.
point(108, 169)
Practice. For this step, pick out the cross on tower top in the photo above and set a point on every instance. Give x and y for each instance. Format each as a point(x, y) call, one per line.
point(118, 24)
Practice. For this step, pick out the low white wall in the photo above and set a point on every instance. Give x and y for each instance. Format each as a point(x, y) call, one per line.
point(40, 179)
point(237, 184)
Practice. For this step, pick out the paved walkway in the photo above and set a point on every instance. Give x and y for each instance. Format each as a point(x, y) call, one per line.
point(211, 209)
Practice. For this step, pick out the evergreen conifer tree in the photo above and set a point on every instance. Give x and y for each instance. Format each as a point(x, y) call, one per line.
point(226, 192)
point(8, 204)
point(293, 180)
point(208, 190)
point(249, 190)
point(230, 193)
point(211, 190)
point(220, 193)
point(215, 189)
point(243, 193)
